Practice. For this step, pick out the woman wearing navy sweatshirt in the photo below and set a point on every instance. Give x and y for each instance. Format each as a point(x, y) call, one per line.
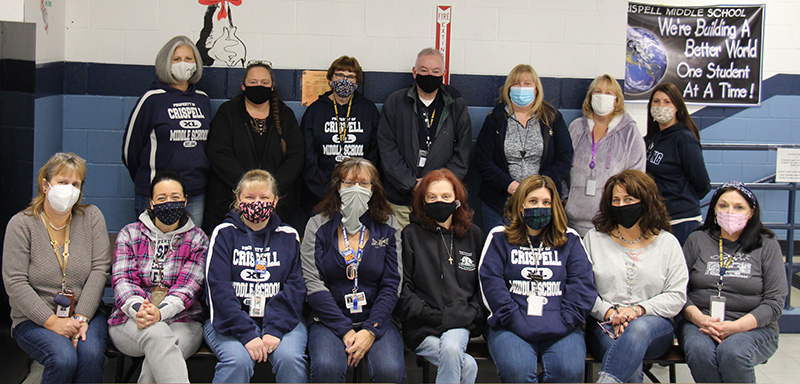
point(675, 159)
point(255, 288)
point(168, 128)
point(342, 123)
point(350, 264)
point(537, 281)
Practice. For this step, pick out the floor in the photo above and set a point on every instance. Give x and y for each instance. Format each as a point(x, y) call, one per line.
point(783, 367)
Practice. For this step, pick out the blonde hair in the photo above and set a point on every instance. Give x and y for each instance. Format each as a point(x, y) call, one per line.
point(60, 163)
point(612, 83)
point(254, 178)
point(539, 107)
point(554, 233)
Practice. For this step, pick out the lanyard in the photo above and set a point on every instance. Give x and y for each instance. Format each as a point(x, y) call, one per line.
point(429, 124)
point(536, 277)
point(61, 262)
point(253, 244)
point(594, 150)
point(352, 267)
point(723, 266)
point(342, 127)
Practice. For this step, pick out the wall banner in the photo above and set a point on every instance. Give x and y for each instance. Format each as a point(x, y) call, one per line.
point(713, 54)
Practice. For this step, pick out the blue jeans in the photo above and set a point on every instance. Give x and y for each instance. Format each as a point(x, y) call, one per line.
point(194, 207)
point(732, 361)
point(448, 353)
point(235, 365)
point(63, 363)
point(563, 360)
point(683, 230)
point(385, 359)
point(647, 337)
point(491, 218)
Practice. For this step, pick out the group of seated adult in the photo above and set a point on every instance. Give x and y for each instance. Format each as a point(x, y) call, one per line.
point(357, 288)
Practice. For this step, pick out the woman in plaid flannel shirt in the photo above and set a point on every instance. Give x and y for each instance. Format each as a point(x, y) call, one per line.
point(158, 270)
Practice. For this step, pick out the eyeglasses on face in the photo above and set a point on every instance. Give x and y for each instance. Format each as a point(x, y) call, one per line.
point(339, 76)
point(361, 183)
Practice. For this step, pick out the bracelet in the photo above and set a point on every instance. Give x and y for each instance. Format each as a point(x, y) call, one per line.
point(81, 318)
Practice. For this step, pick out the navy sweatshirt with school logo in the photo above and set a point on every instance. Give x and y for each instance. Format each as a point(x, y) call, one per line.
point(167, 129)
point(231, 279)
point(324, 148)
point(568, 286)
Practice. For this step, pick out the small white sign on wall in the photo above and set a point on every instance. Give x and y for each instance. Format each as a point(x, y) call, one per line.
point(787, 166)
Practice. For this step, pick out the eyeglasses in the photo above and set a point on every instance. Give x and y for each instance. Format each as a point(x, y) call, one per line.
point(259, 62)
point(339, 76)
point(350, 183)
point(606, 331)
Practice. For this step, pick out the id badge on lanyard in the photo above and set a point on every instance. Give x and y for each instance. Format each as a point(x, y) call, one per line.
point(716, 305)
point(535, 302)
point(356, 300)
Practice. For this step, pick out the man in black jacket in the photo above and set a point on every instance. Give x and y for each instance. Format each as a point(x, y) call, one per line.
point(422, 128)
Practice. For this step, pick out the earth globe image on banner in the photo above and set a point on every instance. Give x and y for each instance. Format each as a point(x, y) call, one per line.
point(645, 61)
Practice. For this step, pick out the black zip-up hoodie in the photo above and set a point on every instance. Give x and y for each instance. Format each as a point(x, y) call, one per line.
point(437, 296)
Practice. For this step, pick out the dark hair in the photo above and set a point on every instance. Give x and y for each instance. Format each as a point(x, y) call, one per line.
point(750, 239)
point(641, 186)
point(554, 233)
point(379, 209)
point(462, 217)
point(274, 107)
point(346, 63)
point(167, 175)
point(681, 113)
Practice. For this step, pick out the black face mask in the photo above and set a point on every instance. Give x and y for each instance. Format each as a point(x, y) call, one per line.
point(428, 83)
point(441, 211)
point(627, 215)
point(257, 94)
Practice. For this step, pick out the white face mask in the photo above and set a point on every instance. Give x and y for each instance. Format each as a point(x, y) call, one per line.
point(662, 115)
point(603, 104)
point(183, 71)
point(62, 197)
point(355, 201)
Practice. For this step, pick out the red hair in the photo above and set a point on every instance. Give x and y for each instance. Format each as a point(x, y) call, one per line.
point(462, 218)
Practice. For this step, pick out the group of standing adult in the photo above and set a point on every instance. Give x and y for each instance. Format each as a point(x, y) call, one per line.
point(393, 237)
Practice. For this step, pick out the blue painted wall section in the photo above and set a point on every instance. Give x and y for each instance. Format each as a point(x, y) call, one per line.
point(96, 107)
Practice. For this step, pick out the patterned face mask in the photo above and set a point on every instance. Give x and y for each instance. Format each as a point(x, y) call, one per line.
point(256, 211)
point(537, 218)
point(343, 87)
point(661, 114)
point(169, 212)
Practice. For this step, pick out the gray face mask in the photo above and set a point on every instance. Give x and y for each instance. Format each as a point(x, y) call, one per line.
point(355, 201)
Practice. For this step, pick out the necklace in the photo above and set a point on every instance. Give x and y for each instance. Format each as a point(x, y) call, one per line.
point(259, 125)
point(629, 242)
point(449, 251)
point(61, 227)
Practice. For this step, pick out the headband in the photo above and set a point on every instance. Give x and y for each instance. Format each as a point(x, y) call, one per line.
point(739, 186)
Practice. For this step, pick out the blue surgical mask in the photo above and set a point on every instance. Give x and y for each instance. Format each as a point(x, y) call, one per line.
point(522, 96)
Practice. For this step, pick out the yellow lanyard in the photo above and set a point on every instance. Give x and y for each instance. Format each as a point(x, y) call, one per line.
point(342, 128)
point(61, 262)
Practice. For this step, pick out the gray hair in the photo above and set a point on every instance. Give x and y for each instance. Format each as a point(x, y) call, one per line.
point(164, 60)
point(429, 52)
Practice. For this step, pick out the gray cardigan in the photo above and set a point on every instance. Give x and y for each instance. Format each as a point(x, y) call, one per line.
point(32, 275)
point(659, 280)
